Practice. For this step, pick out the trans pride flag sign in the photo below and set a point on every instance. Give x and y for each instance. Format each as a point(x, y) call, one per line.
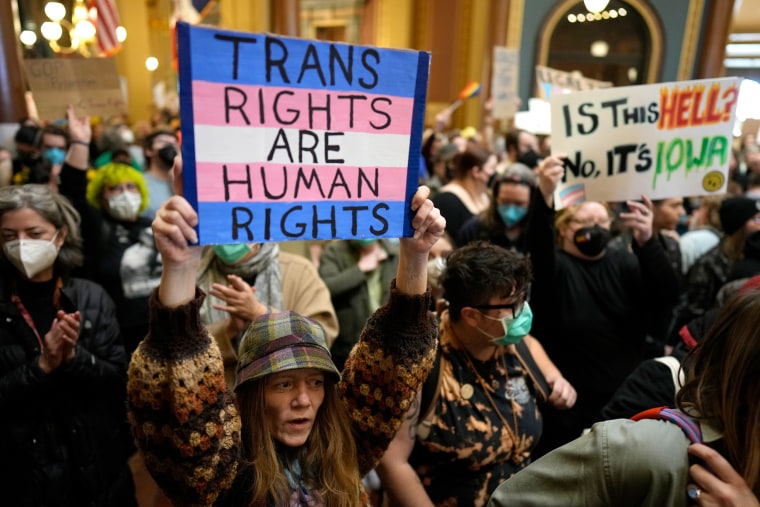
point(287, 139)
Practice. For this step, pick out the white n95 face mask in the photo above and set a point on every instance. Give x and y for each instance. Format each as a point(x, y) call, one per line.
point(125, 205)
point(30, 256)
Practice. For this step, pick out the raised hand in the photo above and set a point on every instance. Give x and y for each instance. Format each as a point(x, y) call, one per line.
point(175, 236)
point(79, 128)
point(550, 172)
point(429, 226)
point(428, 223)
point(639, 219)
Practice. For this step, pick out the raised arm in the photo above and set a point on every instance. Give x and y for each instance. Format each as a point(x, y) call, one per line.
point(183, 419)
point(429, 225)
point(541, 245)
point(80, 135)
point(395, 352)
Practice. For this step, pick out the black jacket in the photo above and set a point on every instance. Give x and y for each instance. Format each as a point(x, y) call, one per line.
point(63, 435)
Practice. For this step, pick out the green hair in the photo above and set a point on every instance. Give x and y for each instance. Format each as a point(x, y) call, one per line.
point(112, 174)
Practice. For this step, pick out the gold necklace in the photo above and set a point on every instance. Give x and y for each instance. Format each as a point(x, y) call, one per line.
point(487, 391)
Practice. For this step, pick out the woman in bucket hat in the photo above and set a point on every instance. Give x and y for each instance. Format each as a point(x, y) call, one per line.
point(294, 432)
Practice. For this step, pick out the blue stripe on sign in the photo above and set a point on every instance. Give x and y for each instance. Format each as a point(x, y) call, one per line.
point(415, 140)
point(189, 186)
point(230, 222)
point(269, 60)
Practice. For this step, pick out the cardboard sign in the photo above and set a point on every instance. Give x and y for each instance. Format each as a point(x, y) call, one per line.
point(552, 82)
point(662, 140)
point(292, 139)
point(504, 82)
point(92, 85)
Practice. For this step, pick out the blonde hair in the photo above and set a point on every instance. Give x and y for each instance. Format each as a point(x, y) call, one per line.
point(566, 215)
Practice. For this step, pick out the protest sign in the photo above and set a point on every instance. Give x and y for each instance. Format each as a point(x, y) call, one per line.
point(537, 119)
point(287, 139)
point(504, 82)
point(91, 85)
point(553, 81)
point(662, 140)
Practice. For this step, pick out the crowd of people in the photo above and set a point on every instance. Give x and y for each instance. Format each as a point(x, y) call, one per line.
point(499, 356)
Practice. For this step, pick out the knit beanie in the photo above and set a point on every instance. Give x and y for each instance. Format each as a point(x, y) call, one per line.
point(735, 211)
point(282, 341)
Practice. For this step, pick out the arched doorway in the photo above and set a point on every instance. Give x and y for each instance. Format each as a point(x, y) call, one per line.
point(622, 43)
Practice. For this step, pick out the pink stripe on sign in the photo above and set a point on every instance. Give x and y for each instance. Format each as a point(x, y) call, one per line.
point(299, 183)
point(264, 106)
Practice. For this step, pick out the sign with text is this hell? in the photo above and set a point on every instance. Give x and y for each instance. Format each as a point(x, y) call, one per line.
point(293, 139)
point(661, 140)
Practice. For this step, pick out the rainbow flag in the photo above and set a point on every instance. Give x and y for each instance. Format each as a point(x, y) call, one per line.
point(471, 90)
point(574, 194)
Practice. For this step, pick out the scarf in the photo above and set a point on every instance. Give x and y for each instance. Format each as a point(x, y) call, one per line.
point(264, 266)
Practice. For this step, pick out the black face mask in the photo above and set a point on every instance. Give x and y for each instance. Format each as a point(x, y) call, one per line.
point(529, 158)
point(591, 241)
point(167, 154)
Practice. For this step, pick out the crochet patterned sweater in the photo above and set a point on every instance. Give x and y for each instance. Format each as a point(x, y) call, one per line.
point(184, 419)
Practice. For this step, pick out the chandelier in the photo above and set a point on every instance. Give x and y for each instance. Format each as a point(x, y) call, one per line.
point(80, 29)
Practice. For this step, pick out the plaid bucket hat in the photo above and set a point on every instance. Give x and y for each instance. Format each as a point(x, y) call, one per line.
point(279, 342)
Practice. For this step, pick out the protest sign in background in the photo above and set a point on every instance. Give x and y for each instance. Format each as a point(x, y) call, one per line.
point(553, 81)
point(662, 140)
point(504, 82)
point(91, 85)
point(287, 139)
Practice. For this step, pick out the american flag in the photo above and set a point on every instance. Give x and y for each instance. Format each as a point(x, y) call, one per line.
point(108, 20)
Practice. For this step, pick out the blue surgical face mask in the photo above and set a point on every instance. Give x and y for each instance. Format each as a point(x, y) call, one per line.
point(515, 328)
point(55, 156)
point(231, 254)
point(511, 214)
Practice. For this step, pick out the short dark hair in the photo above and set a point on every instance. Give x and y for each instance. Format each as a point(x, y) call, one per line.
point(512, 139)
point(473, 156)
point(26, 134)
point(479, 271)
point(53, 130)
point(148, 141)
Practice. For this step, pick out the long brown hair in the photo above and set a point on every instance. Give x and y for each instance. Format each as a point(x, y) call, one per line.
point(723, 382)
point(328, 459)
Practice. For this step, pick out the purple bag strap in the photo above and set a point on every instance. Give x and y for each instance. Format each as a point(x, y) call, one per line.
point(690, 427)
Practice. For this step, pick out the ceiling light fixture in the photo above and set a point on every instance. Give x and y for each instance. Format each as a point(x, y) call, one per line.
point(595, 6)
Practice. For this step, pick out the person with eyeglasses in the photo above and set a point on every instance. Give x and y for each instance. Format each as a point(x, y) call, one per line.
point(481, 420)
point(593, 305)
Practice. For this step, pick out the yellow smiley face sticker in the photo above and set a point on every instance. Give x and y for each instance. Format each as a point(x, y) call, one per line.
point(713, 181)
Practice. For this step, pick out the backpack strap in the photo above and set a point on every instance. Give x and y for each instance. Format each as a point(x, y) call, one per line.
point(688, 425)
point(543, 389)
